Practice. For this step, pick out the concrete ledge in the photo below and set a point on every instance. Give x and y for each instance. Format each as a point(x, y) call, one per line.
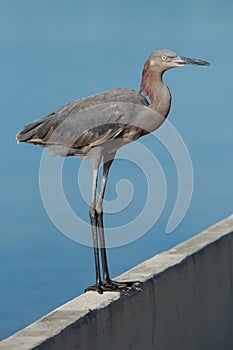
point(186, 302)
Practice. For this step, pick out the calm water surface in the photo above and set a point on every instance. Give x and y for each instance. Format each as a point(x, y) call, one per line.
point(55, 52)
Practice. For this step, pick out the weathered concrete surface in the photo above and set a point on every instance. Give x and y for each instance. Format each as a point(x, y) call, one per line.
point(186, 302)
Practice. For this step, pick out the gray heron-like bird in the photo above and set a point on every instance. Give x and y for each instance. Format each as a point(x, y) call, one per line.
point(95, 127)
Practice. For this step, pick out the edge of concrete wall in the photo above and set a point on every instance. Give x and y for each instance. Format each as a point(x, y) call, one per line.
point(69, 326)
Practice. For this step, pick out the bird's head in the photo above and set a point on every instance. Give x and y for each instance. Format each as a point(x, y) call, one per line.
point(165, 59)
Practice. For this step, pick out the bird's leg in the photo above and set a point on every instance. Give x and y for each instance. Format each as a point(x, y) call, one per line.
point(107, 162)
point(108, 284)
point(93, 219)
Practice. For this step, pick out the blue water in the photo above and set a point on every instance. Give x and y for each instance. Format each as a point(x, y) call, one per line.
point(55, 52)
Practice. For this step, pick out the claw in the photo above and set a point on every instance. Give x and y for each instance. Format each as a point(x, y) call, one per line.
point(114, 286)
point(94, 288)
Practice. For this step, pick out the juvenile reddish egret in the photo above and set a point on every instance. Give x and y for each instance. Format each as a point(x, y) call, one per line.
point(95, 127)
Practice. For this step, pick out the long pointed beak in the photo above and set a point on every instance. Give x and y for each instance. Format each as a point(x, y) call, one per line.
point(195, 61)
point(181, 61)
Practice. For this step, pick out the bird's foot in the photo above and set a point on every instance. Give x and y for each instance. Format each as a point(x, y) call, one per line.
point(95, 288)
point(122, 285)
point(114, 286)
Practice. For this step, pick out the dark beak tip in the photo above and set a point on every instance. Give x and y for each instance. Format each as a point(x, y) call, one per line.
point(197, 62)
point(194, 61)
point(203, 63)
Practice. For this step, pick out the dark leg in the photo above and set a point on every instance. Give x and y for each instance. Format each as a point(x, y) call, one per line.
point(108, 284)
point(98, 286)
point(107, 162)
point(93, 219)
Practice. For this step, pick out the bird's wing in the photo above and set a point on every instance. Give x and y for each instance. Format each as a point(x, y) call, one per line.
point(94, 120)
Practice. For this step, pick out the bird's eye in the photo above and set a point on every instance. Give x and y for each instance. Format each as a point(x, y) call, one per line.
point(164, 58)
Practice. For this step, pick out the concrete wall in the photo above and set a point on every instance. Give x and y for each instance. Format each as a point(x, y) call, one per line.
point(186, 302)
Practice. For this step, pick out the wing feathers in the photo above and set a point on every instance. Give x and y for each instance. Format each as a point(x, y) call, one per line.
point(90, 122)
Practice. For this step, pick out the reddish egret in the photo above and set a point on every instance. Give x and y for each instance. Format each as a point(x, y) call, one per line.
point(95, 127)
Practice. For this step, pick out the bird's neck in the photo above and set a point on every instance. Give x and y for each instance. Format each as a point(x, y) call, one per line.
point(153, 86)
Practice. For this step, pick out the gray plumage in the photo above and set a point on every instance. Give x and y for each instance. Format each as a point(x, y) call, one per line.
point(95, 127)
point(77, 127)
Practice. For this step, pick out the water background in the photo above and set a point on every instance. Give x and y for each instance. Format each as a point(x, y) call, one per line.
point(53, 52)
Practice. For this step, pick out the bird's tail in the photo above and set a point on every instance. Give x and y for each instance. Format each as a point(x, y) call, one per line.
point(29, 132)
